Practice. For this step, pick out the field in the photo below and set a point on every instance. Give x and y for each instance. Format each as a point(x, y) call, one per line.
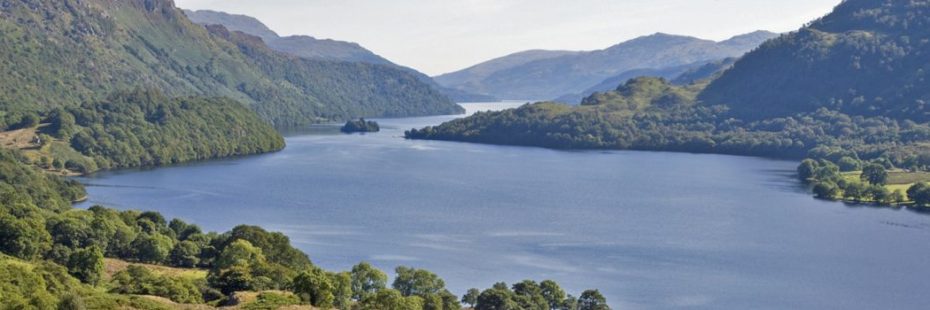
point(897, 179)
point(44, 154)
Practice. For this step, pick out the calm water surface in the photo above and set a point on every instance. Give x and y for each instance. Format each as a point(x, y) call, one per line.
point(650, 230)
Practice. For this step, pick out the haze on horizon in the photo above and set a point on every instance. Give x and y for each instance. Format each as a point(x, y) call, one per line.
point(437, 37)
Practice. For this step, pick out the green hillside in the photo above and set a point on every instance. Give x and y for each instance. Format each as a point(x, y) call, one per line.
point(65, 53)
point(868, 57)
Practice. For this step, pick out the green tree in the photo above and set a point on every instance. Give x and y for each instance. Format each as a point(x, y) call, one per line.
point(471, 297)
point(22, 232)
point(417, 282)
point(315, 287)
point(342, 289)
point(496, 299)
point(152, 248)
point(875, 174)
point(592, 300)
point(826, 190)
point(185, 254)
point(529, 295)
point(847, 164)
point(390, 299)
point(240, 253)
point(855, 191)
point(806, 169)
point(366, 280)
point(827, 171)
point(553, 294)
point(879, 194)
point(232, 279)
point(920, 194)
point(86, 264)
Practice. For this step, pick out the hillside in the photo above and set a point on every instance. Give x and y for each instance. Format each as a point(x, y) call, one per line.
point(867, 57)
point(320, 49)
point(303, 46)
point(573, 73)
point(612, 82)
point(471, 77)
point(55, 54)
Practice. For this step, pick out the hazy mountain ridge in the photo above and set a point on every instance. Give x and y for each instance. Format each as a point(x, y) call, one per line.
point(576, 72)
point(323, 49)
point(300, 45)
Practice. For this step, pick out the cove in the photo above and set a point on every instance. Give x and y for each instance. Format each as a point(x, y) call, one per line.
point(650, 230)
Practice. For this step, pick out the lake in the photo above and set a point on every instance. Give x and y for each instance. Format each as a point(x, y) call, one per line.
point(650, 230)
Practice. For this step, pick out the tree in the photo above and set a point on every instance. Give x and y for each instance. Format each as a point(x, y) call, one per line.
point(471, 297)
point(879, 194)
point(390, 299)
point(826, 190)
point(417, 282)
point(366, 280)
point(528, 295)
point(22, 232)
point(232, 279)
point(807, 169)
point(847, 164)
point(919, 193)
point(496, 299)
point(592, 300)
point(240, 253)
point(342, 289)
point(86, 264)
point(827, 171)
point(152, 248)
point(854, 191)
point(185, 254)
point(315, 287)
point(875, 174)
point(553, 294)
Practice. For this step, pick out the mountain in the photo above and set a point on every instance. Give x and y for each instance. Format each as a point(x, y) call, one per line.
point(303, 46)
point(707, 71)
point(472, 76)
point(550, 77)
point(64, 53)
point(611, 83)
point(322, 49)
point(867, 57)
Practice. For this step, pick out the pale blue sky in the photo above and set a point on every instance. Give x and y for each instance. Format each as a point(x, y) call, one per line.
point(438, 36)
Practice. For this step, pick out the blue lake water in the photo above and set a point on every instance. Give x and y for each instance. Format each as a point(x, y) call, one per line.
point(650, 230)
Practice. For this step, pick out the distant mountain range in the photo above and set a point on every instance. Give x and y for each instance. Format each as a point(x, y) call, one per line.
point(313, 48)
point(551, 74)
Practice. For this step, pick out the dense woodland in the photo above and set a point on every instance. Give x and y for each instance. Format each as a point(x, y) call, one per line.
point(869, 57)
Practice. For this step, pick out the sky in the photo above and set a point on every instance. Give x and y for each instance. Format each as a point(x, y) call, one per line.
point(440, 36)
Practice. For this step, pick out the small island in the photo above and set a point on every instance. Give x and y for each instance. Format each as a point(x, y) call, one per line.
point(360, 125)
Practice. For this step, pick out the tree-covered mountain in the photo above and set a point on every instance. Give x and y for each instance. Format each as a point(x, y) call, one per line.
point(572, 73)
point(321, 49)
point(867, 57)
point(65, 53)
